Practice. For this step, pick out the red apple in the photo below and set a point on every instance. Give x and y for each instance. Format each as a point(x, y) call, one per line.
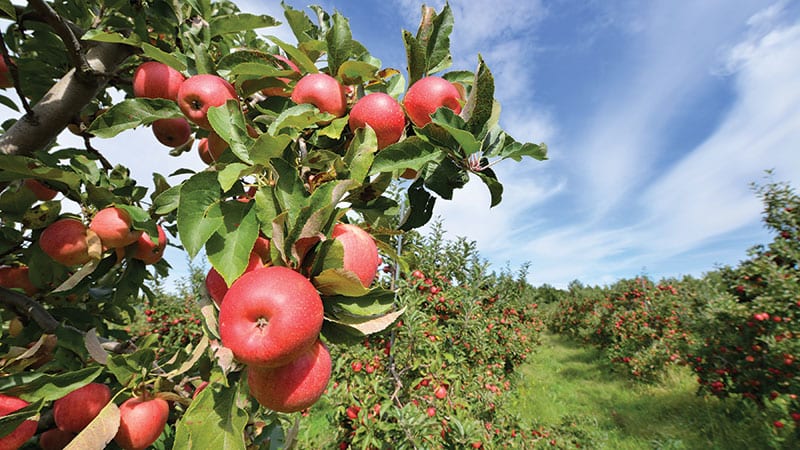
point(113, 227)
point(360, 252)
point(270, 316)
point(200, 92)
point(141, 422)
point(153, 79)
point(381, 112)
point(294, 386)
point(25, 431)
point(204, 152)
point(55, 439)
point(215, 284)
point(75, 410)
point(149, 252)
point(262, 249)
point(322, 91)
point(17, 278)
point(172, 132)
point(427, 95)
point(6, 81)
point(217, 145)
point(65, 241)
point(279, 91)
point(41, 191)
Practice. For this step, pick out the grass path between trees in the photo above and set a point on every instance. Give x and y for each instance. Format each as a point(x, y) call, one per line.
point(569, 387)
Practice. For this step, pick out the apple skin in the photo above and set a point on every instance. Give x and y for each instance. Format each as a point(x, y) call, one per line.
point(75, 410)
point(25, 431)
point(294, 386)
point(270, 316)
point(55, 439)
point(113, 227)
point(65, 241)
point(147, 251)
point(6, 81)
point(427, 95)
point(141, 422)
point(215, 284)
point(153, 79)
point(280, 91)
point(204, 152)
point(381, 112)
point(322, 91)
point(19, 278)
point(200, 92)
point(360, 252)
point(172, 132)
point(41, 191)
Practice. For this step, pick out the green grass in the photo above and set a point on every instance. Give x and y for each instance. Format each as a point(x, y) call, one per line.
point(569, 386)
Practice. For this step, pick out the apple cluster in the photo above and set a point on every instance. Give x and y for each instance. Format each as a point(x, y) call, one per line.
point(271, 317)
point(196, 94)
point(142, 419)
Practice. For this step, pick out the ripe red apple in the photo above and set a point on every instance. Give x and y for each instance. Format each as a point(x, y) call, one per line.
point(172, 132)
point(6, 81)
point(65, 241)
point(149, 252)
point(200, 92)
point(360, 252)
point(204, 152)
point(322, 91)
point(215, 284)
point(55, 439)
point(153, 79)
point(295, 386)
point(427, 95)
point(270, 316)
point(25, 431)
point(141, 422)
point(41, 191)
point(440, 392)
point(262, 249)
point(381, 112)
point(279, 91)
point(75, 410)
point(17, 278)
point(113, 227)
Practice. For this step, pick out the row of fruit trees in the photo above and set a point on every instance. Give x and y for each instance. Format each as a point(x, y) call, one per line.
point(320, 161)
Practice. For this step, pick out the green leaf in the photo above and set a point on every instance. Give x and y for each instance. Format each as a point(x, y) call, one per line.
point(297, 118)
point(340, 42)
point(495, 188)
point(434, 35)
point(176, 61)
point(374, 303)
point(234, 23)
point(199, 211)
point(335, 129)
point(13, 167)
point(303, 62)
point(231, 174)
point(446, 118)
point(140, 219)
point(8, 9)
point(132, 112)
point(167, 201)
point(357, 72)
point(128, 368)
point(517, 151)
point(267, 147)
point(445, 178)
point(339, 282)
point(266, 207)
point(415, 58)
point(361, 153)
point(99, 35)
point(229, 247)
point(229, 123)
point(420, 206)
point(364, 326)
point(51, 387)
point(215, 419)
point(480, 104)
point(411, 153)
point(301, 25)
point(8, 102)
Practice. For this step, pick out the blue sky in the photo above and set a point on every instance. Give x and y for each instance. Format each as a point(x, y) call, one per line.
point(658, 116)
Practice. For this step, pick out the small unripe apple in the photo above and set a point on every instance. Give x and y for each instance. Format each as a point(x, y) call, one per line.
point(215, 284)
point(294, 386)
point(427, 95)
point(360, 252)
point(149, 252)
point(381, 112)
point(25, 431)
point(270, 316)
point(200, 92)
point(141, 422)
point(17, 278)
point(65, 241)
point(55, 439)
point(153, 79)
point(113, 227)
point(172, 132)
point(322, 91)
point(75, 410)
point(41, 191)
point(279, 91)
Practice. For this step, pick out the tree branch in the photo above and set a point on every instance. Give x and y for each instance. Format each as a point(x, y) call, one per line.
point(75, 50)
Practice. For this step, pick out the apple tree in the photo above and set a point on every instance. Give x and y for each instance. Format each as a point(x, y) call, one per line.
point(318, 158)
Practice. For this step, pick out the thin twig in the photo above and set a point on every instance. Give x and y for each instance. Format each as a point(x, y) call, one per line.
point(88, 143)
point(12, 69)
point(75, 50)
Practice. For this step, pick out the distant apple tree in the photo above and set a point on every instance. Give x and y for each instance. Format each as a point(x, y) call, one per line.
point(319, 159)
